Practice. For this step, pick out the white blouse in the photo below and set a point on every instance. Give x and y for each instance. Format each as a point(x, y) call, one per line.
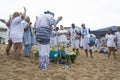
point(16, 28)
point(110, 40)
point(62, 37)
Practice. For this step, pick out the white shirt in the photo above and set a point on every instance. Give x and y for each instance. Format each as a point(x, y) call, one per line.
point(85, 32)
point(73, 33)
point(45, 20)
point(110, 40)
point(16, 28)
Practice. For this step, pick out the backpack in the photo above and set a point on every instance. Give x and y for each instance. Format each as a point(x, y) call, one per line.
point(91, 40)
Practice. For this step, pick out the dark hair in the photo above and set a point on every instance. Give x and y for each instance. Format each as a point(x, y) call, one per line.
point(72, 24)
point(57, 28)
point(111, 31)
point(48, 12)
point(83, 24)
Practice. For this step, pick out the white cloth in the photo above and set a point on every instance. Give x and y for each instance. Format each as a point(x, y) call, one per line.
point(8, 33)
point(62, 38)
point(110, 40)
point(85, 32)
point(75, 44)
point(117, 35)
point(103, 41)
point(45, 20)
point(16, 29)
point(85, 42)
point(73, 33)
point(53, 39)
point(98, 46)
point(85, 38)
point(44, 50)
point(74, 39)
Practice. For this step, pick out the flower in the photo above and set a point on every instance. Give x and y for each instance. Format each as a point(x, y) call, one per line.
point(62, 48)
point(53, 49)
point(72, 53)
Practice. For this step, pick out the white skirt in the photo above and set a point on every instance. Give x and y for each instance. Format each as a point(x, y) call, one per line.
point(110, 44)
point(16, 40)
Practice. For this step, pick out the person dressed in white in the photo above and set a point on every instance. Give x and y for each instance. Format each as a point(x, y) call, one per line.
point(110, 37)
point(74, 38)
point(56, 37)
point(117, 34)
point(43, 30)
point(97, 42)
point(62, 40)
point(103, 41)
point(52, 38)
point(85, 34)
point(16, 32)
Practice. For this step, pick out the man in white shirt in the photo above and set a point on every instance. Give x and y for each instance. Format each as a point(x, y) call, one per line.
point(85, 34)
point(74, 38)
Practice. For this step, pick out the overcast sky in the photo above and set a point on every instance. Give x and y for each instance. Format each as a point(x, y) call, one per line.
point(95, 14)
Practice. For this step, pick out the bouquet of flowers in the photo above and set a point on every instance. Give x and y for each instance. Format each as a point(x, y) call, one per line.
point(71, 56)
point(36, 54)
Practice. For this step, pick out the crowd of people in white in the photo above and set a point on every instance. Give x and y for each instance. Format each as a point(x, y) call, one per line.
point(46, 36)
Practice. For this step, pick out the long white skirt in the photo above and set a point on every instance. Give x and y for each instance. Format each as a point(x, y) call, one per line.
point(44, 51)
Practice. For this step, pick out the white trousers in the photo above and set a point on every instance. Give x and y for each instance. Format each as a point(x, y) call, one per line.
point(44, 51)
point(75, 44)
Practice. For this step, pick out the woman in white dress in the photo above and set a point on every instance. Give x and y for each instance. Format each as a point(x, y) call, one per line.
point(62, 40)
point(110, 38)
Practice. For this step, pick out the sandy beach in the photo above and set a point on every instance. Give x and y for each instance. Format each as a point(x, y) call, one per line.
point(97, 68)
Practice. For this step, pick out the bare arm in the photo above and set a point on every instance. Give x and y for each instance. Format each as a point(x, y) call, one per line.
point(9, 21)
point(24, 13)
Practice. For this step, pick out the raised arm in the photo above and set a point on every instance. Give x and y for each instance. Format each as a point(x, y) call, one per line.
point(24, 13)
point(59, 19)
point(9, 21)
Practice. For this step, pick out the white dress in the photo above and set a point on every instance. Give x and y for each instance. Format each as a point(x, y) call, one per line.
point(62, 39)
point(110, 40)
